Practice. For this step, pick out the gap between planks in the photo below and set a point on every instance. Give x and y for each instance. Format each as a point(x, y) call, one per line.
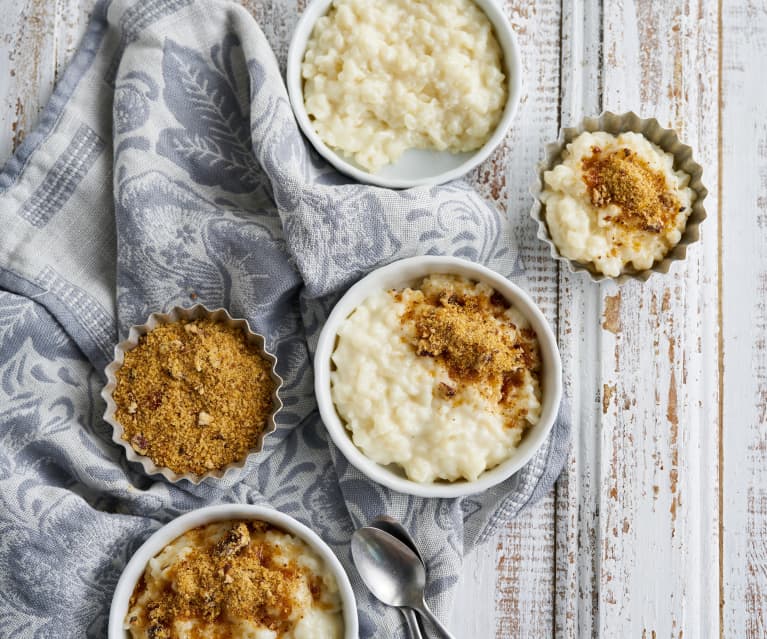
point(720, 302)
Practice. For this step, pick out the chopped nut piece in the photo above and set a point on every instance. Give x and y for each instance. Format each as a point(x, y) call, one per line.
point(445, 390)
point(132, 407)
point(203, 418)
point(175, 371)
point(191, 328)
point(139, 444)
point(235, 540)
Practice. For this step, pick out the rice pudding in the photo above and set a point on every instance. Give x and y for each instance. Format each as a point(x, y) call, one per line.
point(441, 379)
point(236, 579)
point(615, 201)
point(383, 76)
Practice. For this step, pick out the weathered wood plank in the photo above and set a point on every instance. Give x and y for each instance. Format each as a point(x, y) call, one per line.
point(744, 311)
point(27, 50)
point(577, 532)
point(525, 548)
point(643, 494)
point(524, 585)
point(474, 609)
point(37, 38)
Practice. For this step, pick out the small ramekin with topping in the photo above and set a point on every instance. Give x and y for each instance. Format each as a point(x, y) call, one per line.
point(437, 377)
point(619, 197)
point(192, 394)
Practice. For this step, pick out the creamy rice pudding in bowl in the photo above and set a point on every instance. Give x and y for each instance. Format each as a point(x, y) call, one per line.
point(437, 377)
point(401, 93)
point(619, 197)
point(234, 571)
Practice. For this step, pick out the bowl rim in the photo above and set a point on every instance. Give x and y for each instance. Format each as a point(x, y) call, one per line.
point(173, 315)
point(221, 512)
point(403, 271)
point(513, 66)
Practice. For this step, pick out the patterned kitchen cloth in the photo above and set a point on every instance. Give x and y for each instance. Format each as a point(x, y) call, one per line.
point(167, 169)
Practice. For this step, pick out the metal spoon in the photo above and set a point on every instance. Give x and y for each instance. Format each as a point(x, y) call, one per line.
point(392, 572)
point(396, 529)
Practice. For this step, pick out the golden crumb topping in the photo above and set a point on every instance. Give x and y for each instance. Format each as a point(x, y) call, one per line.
point(243, 576)
point(194, 396)
point(470, 335)
point(625, 179)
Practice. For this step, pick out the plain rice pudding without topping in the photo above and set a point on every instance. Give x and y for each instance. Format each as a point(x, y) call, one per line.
point(616, 200)
point(383, 76)
point(441, 379)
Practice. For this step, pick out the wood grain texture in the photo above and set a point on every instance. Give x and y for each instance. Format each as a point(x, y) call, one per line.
point(744, 314)
point(642, 492)
point(661, 497)
point(37, 38)
point(525, 547)
point(578, 489)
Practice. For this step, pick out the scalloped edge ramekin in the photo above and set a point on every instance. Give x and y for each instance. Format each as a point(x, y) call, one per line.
point(176, 314)
point(666, 139)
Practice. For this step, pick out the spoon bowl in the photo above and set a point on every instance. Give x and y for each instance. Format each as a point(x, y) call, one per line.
point(393, 572)
point(396, 529)
point(390, 570)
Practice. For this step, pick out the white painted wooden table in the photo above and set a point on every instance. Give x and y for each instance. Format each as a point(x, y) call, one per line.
point(658, 526)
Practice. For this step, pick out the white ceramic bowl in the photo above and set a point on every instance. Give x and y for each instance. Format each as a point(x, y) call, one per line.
point(416, 167)
point(403, 273)
point(135, 567)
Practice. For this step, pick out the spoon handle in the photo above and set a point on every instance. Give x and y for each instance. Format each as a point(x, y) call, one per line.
point(423, 609)
point(412, 623)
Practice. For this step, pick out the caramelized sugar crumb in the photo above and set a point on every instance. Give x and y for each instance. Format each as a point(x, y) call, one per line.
point(472, 338)
point(625, 179)
point(194, 396)
point(461, 336)
point(236, 578)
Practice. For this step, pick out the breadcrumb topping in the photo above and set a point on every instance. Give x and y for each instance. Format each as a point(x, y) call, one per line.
point(470, 335)
point(625, 179)
point(242, 576)
point(194, 396)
